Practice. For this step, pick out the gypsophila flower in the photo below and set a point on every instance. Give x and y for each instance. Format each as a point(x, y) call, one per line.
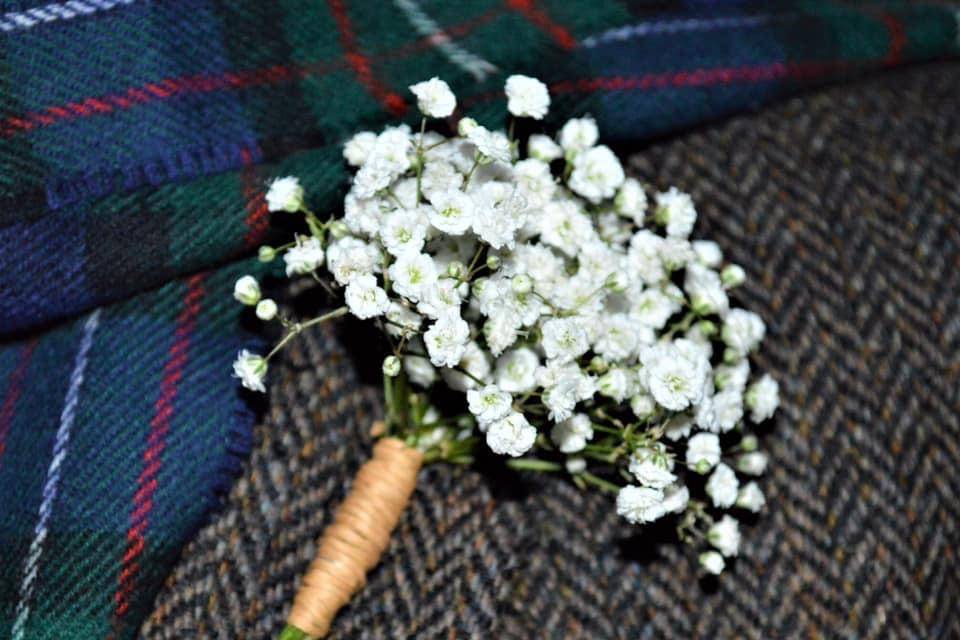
point(266, 309)
point(703, 451)
point(763, 398)
point(676, 212)
point(365, 298)
point(304, 257)
point(434, 98)
point(285, 194)
point(712, 562)
point(722, 486)
point(753, 463)
point(246, 291)
point(543, 148)
point(572, 434)
point(579, 134)
point(527, 286)
point(488, 404)
point(725, 536)
point(750, 497)
point(251, 369)
point(512, 435)
point(527, 97)
point(640, 504)
point(446, 340)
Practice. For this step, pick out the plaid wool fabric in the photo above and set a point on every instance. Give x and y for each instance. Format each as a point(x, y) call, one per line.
point(135, 139)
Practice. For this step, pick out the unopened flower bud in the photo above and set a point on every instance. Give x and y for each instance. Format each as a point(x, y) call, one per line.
point(465, 126)
point(617, 282)
point(247, 291)
point(707, 328)
point(712, 562)
point(339, 229)
point(266, 309)
point(576, 465)
point(456, 269)
point(703, 466)
point(749, 443)
point(732, 276)
point(521, 283)
point(754, 463)
point(266, 254)
point(493, 263)
point(391, 366)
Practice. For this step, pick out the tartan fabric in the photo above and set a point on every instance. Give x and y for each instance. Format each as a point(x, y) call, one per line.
point(118, 432)
point(170, 140)
point(135, 138)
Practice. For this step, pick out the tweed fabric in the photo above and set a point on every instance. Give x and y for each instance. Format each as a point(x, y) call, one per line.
point(190, 106)
point(844, 210)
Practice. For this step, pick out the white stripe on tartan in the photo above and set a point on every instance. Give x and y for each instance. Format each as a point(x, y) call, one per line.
point(428, 28)
point(660, 27)
point(22, 20)
point(52, 483)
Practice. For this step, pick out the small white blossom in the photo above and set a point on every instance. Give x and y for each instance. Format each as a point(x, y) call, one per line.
point(725, 536)
point(753, 463)
point(516, 370)
point(527, 97)
point(304, 257)
point(412, 274)
point(733, 275)
point(763, 398)
point(722, 486)
point(564, 339)
point(266, 309)
point(488, 404)
point(490, 144)
point(676, 497)
point(572, 434)
point(640, 504)
point(597, 174)
point(631, 201)
point(575, 465)
point(543, 148)
point(750, 497)
point(246, 291)
point(359, 148)
point(712, 562)
point(676, 212)
point(434, 98)
point(446, 340)
point(703, 449)
point(651, 469)
point(675, 374)
point(285, 194)
point(365, 298)
point(579, 134)
point(512, 436)
point(643, 405)
point(391, 366)
point(616, 384)
point(742, 331)
point(251, 369)
point(708, 253)
point(419, 371)
point(403, 232)
point(705, 290)
point(453, 211)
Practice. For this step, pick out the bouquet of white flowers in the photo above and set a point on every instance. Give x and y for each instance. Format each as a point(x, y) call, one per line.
point(587, 333)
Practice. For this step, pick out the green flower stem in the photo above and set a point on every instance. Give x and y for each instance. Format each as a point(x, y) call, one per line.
point(291, 632)
point(600, 483)
point(533, 464)
point(300, 326)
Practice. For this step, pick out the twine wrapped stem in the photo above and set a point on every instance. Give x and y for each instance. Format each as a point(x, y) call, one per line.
point(357, 538)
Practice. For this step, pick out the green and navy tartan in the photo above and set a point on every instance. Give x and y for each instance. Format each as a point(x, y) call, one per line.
point(135, 140)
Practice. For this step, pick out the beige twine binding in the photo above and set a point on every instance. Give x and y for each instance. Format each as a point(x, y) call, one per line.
point(358, 536)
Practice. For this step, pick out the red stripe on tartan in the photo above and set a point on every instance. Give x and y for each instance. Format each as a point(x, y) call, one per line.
point(155, 445)
point(255, 202)
point(361, 64)
point(14, 389)
point(898, 38)
point(539, 17)
point(237, 80)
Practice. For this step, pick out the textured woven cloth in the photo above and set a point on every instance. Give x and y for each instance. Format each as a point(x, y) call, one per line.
point(844, 209)
point(135, 138)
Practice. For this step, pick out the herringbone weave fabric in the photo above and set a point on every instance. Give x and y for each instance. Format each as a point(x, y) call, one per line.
point(844, 210)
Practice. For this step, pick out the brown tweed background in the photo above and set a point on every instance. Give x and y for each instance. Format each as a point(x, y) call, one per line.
point(844, 208)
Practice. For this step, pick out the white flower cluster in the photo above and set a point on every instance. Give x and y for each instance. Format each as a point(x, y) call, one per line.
point(579, 319)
